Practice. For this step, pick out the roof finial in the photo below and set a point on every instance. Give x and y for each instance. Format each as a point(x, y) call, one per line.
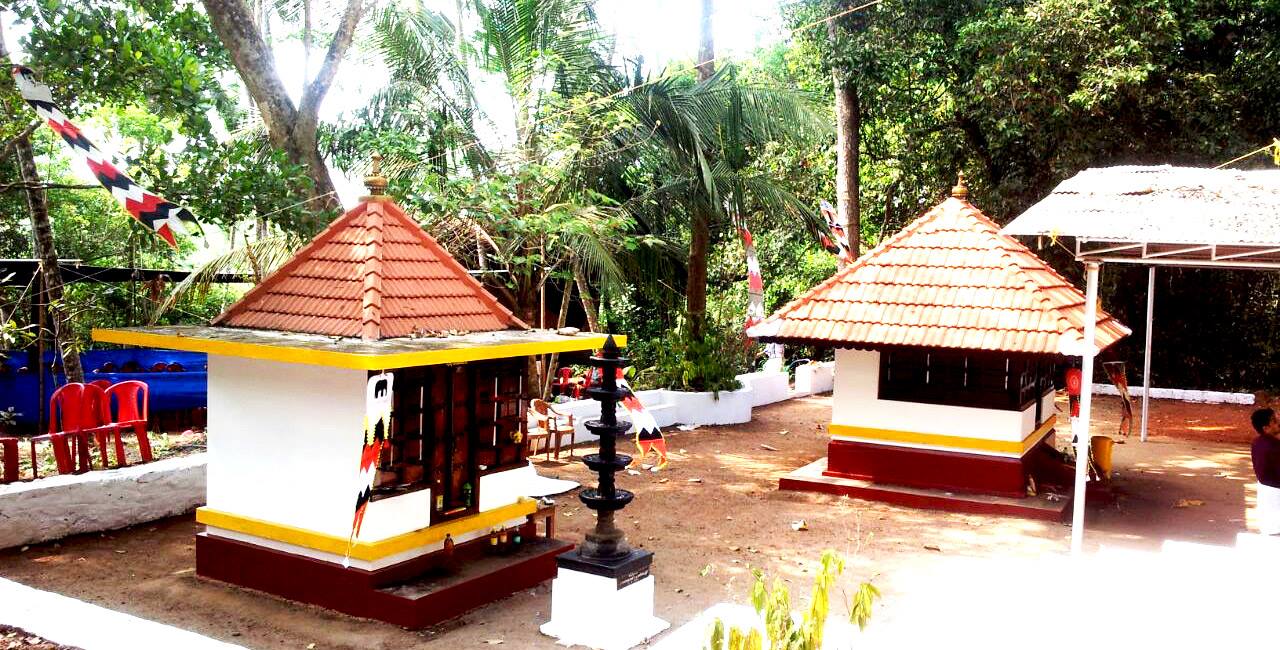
point(960, 191)
point(375, 182)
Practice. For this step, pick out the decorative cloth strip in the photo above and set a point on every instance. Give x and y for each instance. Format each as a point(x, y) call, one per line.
point(648, 435)
point(755, 283)
point(837, 243)
point(377, 435)
point(158, 214)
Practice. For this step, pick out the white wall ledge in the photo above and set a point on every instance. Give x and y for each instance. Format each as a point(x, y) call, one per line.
point(76, 623)
point(1180, 394)
point(58, 506)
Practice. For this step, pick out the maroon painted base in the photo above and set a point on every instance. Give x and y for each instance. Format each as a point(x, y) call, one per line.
point(927, 468)
point(412, 594)
point(814, 478)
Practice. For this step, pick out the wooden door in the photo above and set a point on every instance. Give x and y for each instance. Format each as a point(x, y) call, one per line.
point(455, 483)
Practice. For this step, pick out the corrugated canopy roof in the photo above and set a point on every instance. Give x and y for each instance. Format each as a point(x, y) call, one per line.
point(947, 280)
point(1184, 216)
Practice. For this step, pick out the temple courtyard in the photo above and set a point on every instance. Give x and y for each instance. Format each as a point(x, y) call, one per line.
point(709, 518)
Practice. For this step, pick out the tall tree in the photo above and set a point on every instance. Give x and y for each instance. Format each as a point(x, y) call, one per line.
point(42, 238)
point(848, 142)
point(695, 293)
point(293, 129)
point(705, 137)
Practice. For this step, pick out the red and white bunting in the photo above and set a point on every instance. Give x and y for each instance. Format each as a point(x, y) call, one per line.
point(755, 282)
point(158, 214)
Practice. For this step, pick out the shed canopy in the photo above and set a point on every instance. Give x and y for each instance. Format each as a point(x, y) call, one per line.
point(1164, 215)
point(947, 280)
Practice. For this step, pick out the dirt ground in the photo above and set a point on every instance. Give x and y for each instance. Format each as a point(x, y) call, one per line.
point(12, 638)
point(711, 516)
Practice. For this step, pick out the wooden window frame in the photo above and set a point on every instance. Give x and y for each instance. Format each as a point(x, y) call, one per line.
point(964, 378)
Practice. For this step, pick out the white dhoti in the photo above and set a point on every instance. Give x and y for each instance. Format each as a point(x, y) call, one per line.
point(1268, 510)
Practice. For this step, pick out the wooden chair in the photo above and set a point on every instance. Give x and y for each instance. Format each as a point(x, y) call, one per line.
point(535, 436)
point(555, 424)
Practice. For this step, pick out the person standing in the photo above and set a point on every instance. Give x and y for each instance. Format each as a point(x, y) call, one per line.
point(1266, 466)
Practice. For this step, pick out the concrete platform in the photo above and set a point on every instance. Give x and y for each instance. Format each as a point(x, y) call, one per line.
point(414, 601)
point(79, 624)
point(810, 478)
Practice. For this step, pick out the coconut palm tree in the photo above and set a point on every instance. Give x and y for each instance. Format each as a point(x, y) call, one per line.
point(705, 135)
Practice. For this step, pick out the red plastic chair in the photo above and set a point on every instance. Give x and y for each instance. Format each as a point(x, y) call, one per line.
point(96, 421)
point(562, 382)
point(66, 417)
point(101, 383)
point(9, 446)
point(130, 398)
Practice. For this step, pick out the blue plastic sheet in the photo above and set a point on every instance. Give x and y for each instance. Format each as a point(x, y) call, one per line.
point(169, 391)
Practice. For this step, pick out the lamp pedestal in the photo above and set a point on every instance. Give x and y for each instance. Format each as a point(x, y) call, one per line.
point(603, 605)
point(602, 596)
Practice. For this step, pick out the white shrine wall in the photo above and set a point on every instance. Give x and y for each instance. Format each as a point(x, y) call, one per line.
point(284, 447)
point(855, 403)
point(284, 442)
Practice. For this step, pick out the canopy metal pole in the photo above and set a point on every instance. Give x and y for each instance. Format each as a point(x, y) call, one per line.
point(1146, 355)
point(1081, 425)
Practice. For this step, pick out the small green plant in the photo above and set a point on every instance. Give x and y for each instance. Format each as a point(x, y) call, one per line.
point(711, 362)
point(783, 630)
point(8, 418)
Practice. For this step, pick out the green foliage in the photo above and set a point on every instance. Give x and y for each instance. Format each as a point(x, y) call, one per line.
point(158, 53)
point(711, 362)
point(863, 600)
point(1018, 94)
point(782, 629)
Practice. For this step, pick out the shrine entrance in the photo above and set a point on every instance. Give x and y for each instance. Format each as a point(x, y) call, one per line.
point(450, 426)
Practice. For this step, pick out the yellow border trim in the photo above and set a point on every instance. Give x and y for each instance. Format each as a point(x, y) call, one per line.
point(352, 359)
point(954, 442)
point(368, 551)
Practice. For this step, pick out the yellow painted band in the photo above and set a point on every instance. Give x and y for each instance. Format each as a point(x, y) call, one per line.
point(351, 359)
point(367, 551)
point(941, 440)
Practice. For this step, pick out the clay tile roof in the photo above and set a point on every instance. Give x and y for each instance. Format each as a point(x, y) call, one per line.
point(949, 279)
point(373, 274)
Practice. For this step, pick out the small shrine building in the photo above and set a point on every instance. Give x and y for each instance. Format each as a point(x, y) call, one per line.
point(366, 428)
point(948, 338)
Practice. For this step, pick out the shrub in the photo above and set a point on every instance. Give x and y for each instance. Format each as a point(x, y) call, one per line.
point(711, 362)
point(784, 630)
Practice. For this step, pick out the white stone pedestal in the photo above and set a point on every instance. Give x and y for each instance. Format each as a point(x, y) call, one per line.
point(591, 610)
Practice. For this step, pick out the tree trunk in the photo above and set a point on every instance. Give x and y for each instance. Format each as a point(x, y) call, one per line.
point(848, 148)
point(700, 228)
point(706, 46)
point(696, 286)
point(306, 40)
point(565, 301)
point(42, 230)
point(291, 129)
point(588, 303)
